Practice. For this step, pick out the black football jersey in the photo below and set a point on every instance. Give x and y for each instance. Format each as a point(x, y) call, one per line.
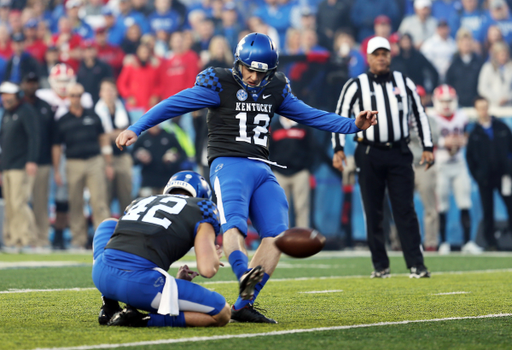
point(239, 126)
point(162, 228)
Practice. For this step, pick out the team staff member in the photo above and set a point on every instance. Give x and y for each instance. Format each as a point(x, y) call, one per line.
point(19, 142)
point(382, 155)
point(81, 131)
point(41, 189)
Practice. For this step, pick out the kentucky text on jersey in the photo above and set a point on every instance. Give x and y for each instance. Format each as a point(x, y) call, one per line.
point(253, 107)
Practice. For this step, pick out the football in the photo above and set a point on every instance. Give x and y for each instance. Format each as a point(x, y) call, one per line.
point(300, 242)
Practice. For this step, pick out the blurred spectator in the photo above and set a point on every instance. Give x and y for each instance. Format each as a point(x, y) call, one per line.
point(275, 13)
point(68, 44)
point(500, 17)
point(21, 61)
point(292, 46)
point(88, 163)
point(495, 79)
point(5, 42)
point(493, 36)
point(43, 33)
point(92, 13)
point(41, 191)
point(413, 64)
point(181, 68)
point(206, 33)
point(256, 24)
point(19, 141)
point(143, 6)
point(18, 4)
point(463, 73)
point(231, 24)
point(92, 71)
point(488, 157)
point(471, 18)
point(129, 16)
point(137, 82)
point(34, 46)
point(217, 7)
point(220, 54)
point(131, 40)
point(291, 145)
point(15, 24)
point(364, 12)
point(160, 156)
point(51, 58)
point(332, 15)
point(440, 48)
point(164, 19)
point(115, 119)
point(5, 9)
point(113, 55)
point(116, 29)
point(79, 27)
point(41, 11)
point(346, 62)
point(444, 9)
point(381, 27)
point(421, 25)
point(195, 18)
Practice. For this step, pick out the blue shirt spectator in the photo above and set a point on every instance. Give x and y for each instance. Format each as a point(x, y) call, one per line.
point(168, 22)
point(471, 18)
point(276, 15)
point(128, 16)
point(500, 17)
point(364, 13)
point(115, 27)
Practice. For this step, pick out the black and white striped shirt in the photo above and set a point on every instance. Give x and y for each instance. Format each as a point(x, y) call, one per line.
point(394, 96)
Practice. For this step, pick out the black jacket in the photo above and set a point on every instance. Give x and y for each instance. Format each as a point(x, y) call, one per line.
point(488, 158)
point(19, 137)
point(91, 77)
point(417, 67)
point(27, 64)
point(464, 78)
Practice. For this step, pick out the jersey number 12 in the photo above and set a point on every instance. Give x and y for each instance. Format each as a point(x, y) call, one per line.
point(258, 129)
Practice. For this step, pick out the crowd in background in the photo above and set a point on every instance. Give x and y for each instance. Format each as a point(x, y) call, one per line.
point(151, 49)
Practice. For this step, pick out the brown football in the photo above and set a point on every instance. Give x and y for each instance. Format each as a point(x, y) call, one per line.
point(300, 242)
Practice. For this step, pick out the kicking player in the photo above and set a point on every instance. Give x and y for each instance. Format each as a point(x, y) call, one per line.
point(241, 103)
point(132, 256)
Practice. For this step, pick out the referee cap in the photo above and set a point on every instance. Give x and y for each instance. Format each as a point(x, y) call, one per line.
point(377, 42)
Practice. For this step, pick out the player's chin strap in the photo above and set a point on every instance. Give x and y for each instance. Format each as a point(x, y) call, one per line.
point(169, 300)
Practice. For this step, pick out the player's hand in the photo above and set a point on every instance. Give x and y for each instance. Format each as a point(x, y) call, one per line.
point(184, 273)
point(427, 157)
point(126, 138)
point(338, 159)
point(31, 168)
point(58, 178)
point(219, 253)
point(365, 119)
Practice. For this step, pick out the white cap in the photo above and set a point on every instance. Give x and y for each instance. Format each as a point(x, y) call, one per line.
point(377, 42)
point(419, 4)
point(9, 88)
point(73, 3)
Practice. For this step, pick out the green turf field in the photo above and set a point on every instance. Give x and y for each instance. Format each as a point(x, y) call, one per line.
point(324, 302)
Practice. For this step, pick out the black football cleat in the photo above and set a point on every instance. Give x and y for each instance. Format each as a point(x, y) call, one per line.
point(249, 314)
point(129, 317)
point(385, 273)
point(420, 271)
point(249, 280)
point(108, 309)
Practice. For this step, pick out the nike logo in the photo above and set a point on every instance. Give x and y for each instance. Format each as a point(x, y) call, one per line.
point(267, 96)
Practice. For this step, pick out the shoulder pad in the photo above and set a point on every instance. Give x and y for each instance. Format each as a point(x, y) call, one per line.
point(209, 78)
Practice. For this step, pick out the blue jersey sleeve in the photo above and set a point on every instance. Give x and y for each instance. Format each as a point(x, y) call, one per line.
point(295, 109)
point(183, 102)
point(210, 215)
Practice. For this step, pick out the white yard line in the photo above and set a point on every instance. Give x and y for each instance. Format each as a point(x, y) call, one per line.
point(322, 291)
point(276, 333)
point(21, 264)
point(451, 293)
point(271, 280)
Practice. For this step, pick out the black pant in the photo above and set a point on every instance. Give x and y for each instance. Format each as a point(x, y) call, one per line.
point(487, 199)
point(379, 168)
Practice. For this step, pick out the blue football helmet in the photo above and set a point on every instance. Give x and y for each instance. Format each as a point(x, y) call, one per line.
point(257, 52)
point(191, 182)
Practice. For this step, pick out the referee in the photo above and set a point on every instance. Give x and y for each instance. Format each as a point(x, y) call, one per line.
point(382, 156)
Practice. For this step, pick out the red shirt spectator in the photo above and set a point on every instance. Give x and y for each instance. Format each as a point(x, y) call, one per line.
point(110, 54)
point(36, 47)
point(68, 44)
point(5, 43)
point(178, 72)
point(137, 83)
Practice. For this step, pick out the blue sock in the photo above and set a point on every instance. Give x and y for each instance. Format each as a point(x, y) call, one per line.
point(240, 303)
point(239, 262)
point(157, 320)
